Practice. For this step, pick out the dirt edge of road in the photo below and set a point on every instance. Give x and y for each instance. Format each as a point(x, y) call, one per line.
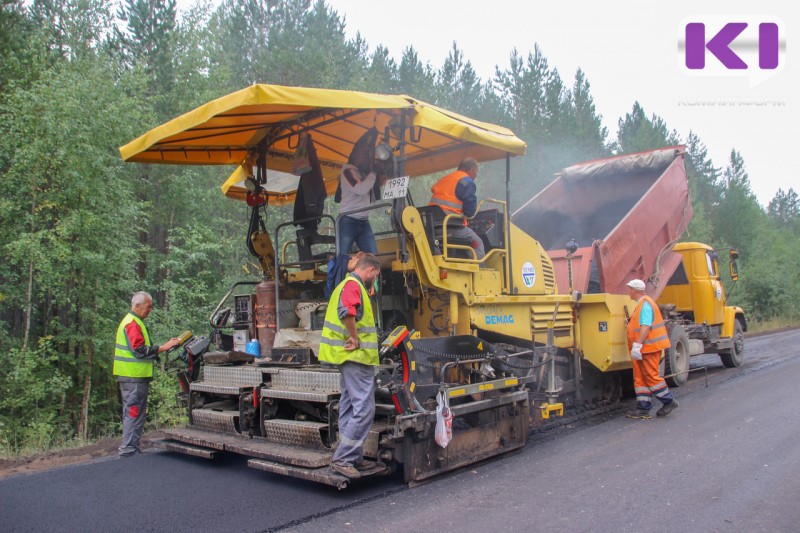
point(107, 447)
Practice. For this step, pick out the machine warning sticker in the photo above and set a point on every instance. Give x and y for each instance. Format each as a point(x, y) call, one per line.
point(528, 274)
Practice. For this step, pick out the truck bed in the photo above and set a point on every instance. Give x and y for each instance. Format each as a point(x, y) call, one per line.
point(625, 213)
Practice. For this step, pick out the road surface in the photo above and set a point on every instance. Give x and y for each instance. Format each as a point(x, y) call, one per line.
point(727, 459)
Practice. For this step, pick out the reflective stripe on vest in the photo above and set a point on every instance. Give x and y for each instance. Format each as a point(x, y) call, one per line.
point(126, 364)
point(657, 338)
point(444, 193)
point(335, 335)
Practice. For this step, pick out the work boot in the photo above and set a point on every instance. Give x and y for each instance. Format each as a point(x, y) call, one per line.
point(640, 413)
point(348, 471)
point(667, 409)
point(127, 451)
point(365, 466)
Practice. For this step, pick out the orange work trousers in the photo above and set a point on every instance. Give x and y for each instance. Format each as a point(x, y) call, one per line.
point(647, 381)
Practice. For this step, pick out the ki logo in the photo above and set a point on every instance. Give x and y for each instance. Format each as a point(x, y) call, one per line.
point(747, 46)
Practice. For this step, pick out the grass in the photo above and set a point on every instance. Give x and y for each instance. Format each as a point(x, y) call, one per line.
point(772, 324)
point(27, 450)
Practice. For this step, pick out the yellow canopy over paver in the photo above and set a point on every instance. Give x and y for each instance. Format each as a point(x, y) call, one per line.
point(270, 118)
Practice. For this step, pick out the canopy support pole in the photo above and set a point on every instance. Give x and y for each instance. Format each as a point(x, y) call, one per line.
point(509, 263)
point(400, 203)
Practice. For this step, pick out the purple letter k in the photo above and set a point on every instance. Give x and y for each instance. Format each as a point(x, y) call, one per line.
point(718, 45)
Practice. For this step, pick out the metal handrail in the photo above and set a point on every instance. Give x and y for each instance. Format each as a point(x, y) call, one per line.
point(223, 300)
point(489, 254)
point(278, 263)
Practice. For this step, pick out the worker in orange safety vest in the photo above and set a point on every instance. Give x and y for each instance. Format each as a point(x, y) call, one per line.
point(647, 338)
point(455, 193)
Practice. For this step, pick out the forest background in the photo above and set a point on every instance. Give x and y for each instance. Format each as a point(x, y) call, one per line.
point(82, 231)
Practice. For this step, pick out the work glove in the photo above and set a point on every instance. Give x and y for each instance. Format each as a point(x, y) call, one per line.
point(636, 351)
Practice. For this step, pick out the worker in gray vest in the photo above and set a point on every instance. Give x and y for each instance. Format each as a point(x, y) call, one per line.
point(133, 366)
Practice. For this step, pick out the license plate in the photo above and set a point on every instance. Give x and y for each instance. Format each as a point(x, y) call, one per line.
point(395, 188)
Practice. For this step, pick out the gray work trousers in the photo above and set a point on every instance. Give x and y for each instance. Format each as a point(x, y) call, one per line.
point(134, 408)
point(356, 411)
point(467, 233)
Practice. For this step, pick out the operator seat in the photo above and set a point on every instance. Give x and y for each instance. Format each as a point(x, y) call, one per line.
point(433, 220)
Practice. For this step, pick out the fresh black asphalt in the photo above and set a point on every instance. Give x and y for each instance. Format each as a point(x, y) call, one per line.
point(726, 460)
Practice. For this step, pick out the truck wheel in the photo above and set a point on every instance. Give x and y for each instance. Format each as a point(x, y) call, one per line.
point(676, 360)
point(733, 358)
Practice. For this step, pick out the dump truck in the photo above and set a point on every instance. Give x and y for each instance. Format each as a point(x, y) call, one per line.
point(509, 344)
point(607, 221)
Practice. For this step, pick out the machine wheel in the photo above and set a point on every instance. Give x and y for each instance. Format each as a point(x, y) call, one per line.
point(734, 357)
point(676, 358)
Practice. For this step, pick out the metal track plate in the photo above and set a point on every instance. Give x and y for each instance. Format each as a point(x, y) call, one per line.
point(202, 386)
point(237, 375)
point(296, 433)
point(306, 380)
point(299, 394)
point(224, 421)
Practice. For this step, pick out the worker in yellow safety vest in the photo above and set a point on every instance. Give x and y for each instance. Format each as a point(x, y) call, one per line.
point(455, 194)
point(647, 338)
point(350, 341)
point(133, 367)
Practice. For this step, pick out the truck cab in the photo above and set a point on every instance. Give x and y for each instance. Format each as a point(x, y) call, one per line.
point(695, 296)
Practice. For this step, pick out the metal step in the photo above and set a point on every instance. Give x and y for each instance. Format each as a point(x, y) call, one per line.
point(325, 475)
point(223, 421)
point(311, 380)
point(186, 449)
point(202, 386)
point(255, 447)
point(321, 396)
point(239, 375)
point(296, 433)
point(319, 475)
point(373, 438)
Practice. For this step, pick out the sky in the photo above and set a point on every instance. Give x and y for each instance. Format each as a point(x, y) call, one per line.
point(629, 51)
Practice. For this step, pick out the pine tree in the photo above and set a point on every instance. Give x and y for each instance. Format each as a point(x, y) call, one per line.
point(738, 216)
point(458, 86)
point(147, 40)
point(784, 208)
point(414, 78)
point(637, 133)
point(381, 75)
point(239, 49)
point(589, 133)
